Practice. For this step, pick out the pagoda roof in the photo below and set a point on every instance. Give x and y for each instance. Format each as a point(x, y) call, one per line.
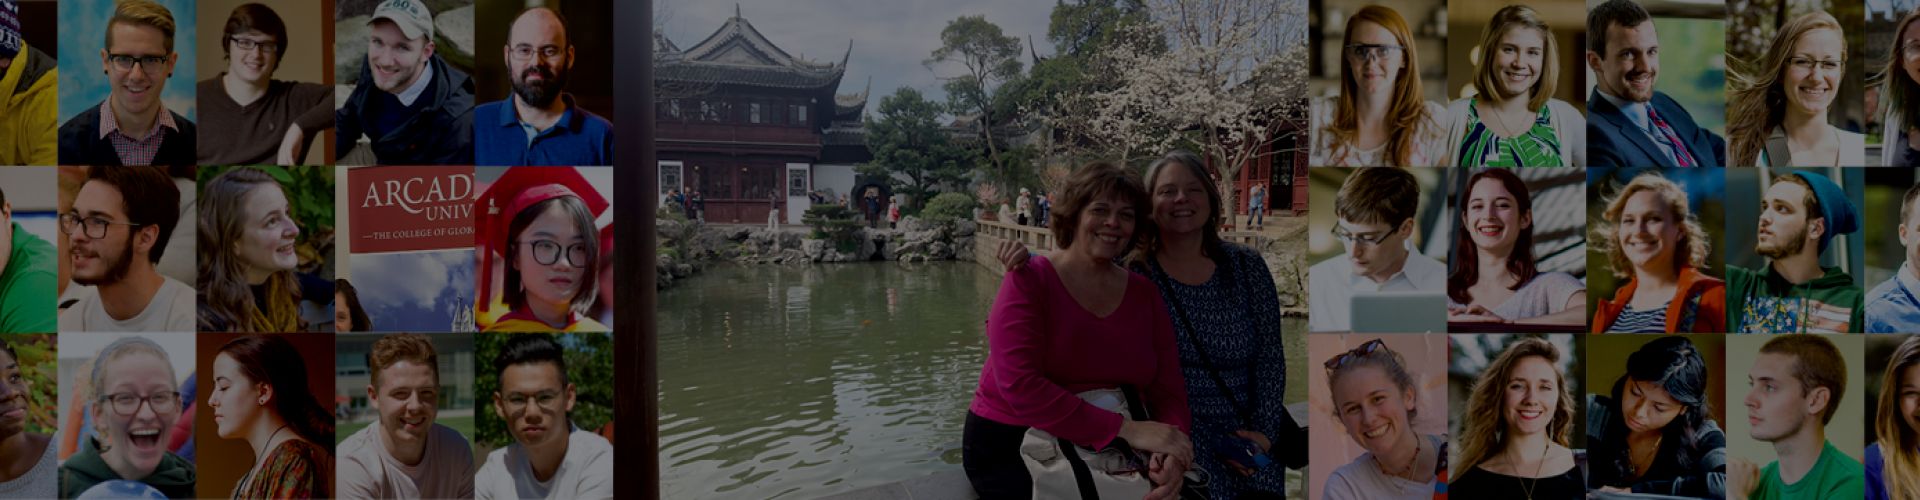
point(737, 53)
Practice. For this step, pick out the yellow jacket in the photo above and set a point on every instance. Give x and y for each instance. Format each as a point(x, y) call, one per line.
point(29, 106)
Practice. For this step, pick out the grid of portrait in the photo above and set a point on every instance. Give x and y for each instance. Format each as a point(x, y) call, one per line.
point(293, 249)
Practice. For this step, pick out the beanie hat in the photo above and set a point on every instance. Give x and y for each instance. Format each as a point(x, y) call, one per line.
point(1842, 217)
point(9, 29)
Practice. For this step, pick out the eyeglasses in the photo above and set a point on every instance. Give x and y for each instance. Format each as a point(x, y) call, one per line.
point(96, 226)
point(1910, 50)
point(1366, 52)
point(547, 252)
point(152, 65)
point(250, 44)
point(524, 52)
point(547, 400)
point(126, 403)
point(1807, 64)
point(1344, 235)
point(1358, 352)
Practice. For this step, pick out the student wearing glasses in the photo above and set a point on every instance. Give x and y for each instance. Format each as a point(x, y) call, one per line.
point(539, 124)
point(248, 280)
point(1901, 92)
point(121, 221)
point(132, 126)
point(1379, 117)
point(549, 457)
point(1375, 398)
point(138, 401)
point(540, 220)
point(1376, 209)
point(249, 117)
point(1778, 107)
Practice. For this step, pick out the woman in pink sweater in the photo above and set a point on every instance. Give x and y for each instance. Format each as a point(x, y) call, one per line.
point(1075, 321)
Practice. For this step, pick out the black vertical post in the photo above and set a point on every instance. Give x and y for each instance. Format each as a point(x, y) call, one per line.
point(636, 182)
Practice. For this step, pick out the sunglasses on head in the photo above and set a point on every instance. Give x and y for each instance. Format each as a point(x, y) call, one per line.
point(1364, 350)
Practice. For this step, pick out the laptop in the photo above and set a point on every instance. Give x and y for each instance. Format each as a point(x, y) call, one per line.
point(1399, 312)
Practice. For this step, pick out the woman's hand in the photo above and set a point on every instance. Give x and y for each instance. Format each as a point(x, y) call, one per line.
point(1157, 437)
point(1169, 473)
point(1259, 440)
point(1473, 313)
point(1013, 254)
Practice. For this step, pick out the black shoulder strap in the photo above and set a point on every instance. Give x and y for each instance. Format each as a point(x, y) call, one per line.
point(1206, 361)
point(1082, 476)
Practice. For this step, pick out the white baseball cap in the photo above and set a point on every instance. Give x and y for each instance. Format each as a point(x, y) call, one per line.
point(410, 15)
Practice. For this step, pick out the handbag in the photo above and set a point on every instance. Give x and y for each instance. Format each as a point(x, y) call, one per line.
point(1062, 470)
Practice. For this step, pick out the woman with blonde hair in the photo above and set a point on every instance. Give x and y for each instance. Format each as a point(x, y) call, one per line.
point(1778, 107)
point(1515, 121)
point(1375, 398)
point(1379, 117)
point(1893, 461)
point(1900, 86)
point(1514, 442)
point(1654, 241)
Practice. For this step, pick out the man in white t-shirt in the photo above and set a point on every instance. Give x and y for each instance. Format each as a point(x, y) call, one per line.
point(1375, 208)
point(549, 458)
point(405, 454)
point(116, 232)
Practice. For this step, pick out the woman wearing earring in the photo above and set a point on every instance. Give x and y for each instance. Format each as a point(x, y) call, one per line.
point(1514, 443)
point(1901, 92)
point(1374, 398)
point(260, 395)
point(137, 400)
point(1493, 276)
point(1652, 238)
point(1893, 461)
point(1654, 434)
point(541, 221)
point(1778, 108)
point(1515, 121)
point(248, 278)
point(1379, 117)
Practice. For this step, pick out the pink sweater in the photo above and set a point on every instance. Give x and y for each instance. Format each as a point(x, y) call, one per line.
point(1043, 348)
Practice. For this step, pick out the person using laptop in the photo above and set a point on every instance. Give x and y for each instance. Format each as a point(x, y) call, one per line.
point(1656, 243)
point(1803, 212)
point(1655, 435)
point(1796, 386)
point(1375, 209)
point(1495, 277)
point(1375, 399)
point(1893, 461)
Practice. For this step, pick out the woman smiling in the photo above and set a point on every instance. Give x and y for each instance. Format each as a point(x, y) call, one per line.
point(1515, 121)
point(1779, 110)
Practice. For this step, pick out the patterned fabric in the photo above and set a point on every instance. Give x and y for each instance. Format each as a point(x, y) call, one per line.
point(1669, 141)
point(1634, 320)
point(1765, 314)
point(1539, 146)
point(295, 469)
point(134, 151)
point(1235, 315)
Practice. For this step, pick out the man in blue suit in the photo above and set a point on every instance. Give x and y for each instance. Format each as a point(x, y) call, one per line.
point(1628, 123)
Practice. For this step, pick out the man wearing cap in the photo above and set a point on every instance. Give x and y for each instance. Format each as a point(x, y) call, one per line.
point(28, 104)
point(26, 277)
point(1801, 214)
point(540, 220)
point(539, 124)
point(549, 457)
point(412, 106)
point(132, 126)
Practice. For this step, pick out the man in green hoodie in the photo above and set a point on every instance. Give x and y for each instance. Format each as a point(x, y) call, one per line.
point(136, 399)
point(26, 278)
point(1800, 215)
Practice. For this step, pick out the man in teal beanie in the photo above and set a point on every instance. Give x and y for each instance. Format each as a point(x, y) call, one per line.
point(1800, 215)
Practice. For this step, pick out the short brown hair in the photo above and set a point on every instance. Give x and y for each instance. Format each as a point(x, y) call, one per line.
point(255, 17)
point(399, 347)
point(1510, 18)
point(142, 12)
point(1378, 195)
point(1906, 202)
point(1095, 182)
point(1817, 363)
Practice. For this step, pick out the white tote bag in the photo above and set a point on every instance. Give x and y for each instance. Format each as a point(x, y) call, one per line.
point(1110, 473)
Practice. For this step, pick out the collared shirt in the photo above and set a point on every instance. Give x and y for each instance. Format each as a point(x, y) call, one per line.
point(1892, 307)
point(578, 138)
point(1332, 285)
point(412, 93)
point(135, 151)
point(1637, 112)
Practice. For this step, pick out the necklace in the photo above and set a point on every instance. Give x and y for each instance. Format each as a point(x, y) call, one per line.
point(1417, 442)
point(1527, 486)
point(261, 455)
point(1633, 457)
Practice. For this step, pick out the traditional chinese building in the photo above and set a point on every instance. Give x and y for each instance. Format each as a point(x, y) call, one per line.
point(750, 126)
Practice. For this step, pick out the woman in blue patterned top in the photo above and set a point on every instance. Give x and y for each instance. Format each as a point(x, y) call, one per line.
point(1226, 319)
point(1515, 121)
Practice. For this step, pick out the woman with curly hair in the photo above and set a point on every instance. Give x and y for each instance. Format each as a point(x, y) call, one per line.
point(1514, 444)
point(1653, 239)
point(248, 235)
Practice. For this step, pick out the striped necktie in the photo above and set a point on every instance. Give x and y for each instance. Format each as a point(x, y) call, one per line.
point(1669, 140)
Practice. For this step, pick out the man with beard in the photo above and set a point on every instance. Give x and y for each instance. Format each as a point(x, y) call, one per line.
point(118, 229)
point(539, 124)
point(413, 108)
point(1800, 215)
point(1796, 386)
point(404, 454)
point(549, 457)
point(1628, 123)
point(27, 465)
point(132, 126)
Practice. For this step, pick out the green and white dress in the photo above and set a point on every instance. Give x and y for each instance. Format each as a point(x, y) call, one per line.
point(1556, 139)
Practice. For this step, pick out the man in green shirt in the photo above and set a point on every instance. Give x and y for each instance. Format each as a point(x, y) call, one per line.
point(1797, 382)
point(26, 278)
point(1801, 214)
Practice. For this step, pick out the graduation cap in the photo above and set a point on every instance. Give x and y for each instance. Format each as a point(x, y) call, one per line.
point(513, 192)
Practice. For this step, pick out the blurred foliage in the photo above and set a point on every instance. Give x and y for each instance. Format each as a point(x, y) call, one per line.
point(1693, 72)
point(309, 197)
point(589, 369)
point(837, 224)
point(949, 206)
point(37, 365)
